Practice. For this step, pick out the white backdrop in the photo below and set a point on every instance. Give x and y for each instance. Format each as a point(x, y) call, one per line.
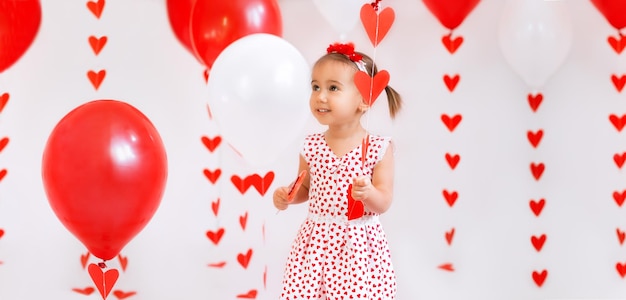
point(490, 252)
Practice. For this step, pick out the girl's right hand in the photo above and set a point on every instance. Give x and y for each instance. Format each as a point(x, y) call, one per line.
point(280, 198)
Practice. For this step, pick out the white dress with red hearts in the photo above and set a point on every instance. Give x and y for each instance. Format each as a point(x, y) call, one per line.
point(332, 257)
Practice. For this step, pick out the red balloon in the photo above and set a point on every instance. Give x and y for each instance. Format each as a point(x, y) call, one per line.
point(104, 170)
point(179, 15)
point(613, 10)
point(451, 13)
point(19, 23)
point(215, 24)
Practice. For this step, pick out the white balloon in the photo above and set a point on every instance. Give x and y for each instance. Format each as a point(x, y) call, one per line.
point(342, 15)
point(259, 88)
point(535, 37)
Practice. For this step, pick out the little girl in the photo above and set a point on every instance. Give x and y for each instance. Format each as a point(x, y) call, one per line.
point(341, 250)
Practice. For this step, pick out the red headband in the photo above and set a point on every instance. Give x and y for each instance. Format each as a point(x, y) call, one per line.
point(345, 49)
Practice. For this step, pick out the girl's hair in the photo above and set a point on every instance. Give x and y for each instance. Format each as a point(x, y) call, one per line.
point(393, 97)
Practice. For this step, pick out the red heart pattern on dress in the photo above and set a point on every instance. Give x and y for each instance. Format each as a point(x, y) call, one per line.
point(211, 143)
point(618, 82)
point(446, 267)
point(537, 206)
point(104, 281)
point(219, 264)
point(376, 24)
point(243, 220)
point(451, 122)
point(617, 44)
point(452, 44)
point(215, 206)
point(1, 233)
point(3, 173)
point(538, 241)
point(621, 269)
point(534, 137)
point(97, 43)
point(96, 7)
point(371, 87)
point(618, 122)
point(451, 81)
point(96, 78)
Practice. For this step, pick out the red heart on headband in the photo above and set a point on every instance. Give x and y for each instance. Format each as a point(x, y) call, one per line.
point(371, 85)
point(376, 24)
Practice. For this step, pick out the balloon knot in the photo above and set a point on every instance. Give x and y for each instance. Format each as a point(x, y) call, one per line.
point(102, 265)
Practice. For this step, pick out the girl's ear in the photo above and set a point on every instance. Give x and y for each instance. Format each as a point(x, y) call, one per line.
point(363, 107)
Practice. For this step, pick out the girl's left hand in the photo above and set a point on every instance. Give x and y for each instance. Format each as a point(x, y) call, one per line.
point(361, 187)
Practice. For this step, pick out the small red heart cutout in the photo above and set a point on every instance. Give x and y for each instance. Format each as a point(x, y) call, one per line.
point(243, 220)
point(376, 24)
point(84, 258)
point(4, 99)
point(212, 176)
point(618, 82)
point(453, 160)
point(446, 267)
point(86, 291)
point(617, 44)
point(449, 236)
point(537, 206)
point(452, 44)
point(215, 206)
point(534, 101)
point(534, 137)
point(123, 261)
point(371, 87)
point(96, 78)
point(97, 43)
point(621, 269)
point(451, 122)
point(540, 277)
point(619, 197)
point(451, 81)
point(249, 295)
point(244, 258)
point(619, 159)
point(96, 7)
point(211, 144)
point(621, 235)
point(537, 170)
point(215, 236)
point(355, 207)
point(538, 241)
point(241, 185)
point(618, 122)
point(104, 281)
point(450, 197)
point(261, 184)
point(123, 295)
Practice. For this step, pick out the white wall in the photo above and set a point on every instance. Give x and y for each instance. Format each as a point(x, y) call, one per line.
point(491, 251)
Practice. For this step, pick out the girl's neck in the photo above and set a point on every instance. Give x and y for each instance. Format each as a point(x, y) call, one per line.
point(345, 132)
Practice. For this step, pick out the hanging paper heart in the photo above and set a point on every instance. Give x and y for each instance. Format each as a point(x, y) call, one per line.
point(376, 25)
point(355, 207)
point(104, 281)
point(371, 86)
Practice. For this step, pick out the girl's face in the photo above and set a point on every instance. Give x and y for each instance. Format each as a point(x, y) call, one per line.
point(335, 99)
